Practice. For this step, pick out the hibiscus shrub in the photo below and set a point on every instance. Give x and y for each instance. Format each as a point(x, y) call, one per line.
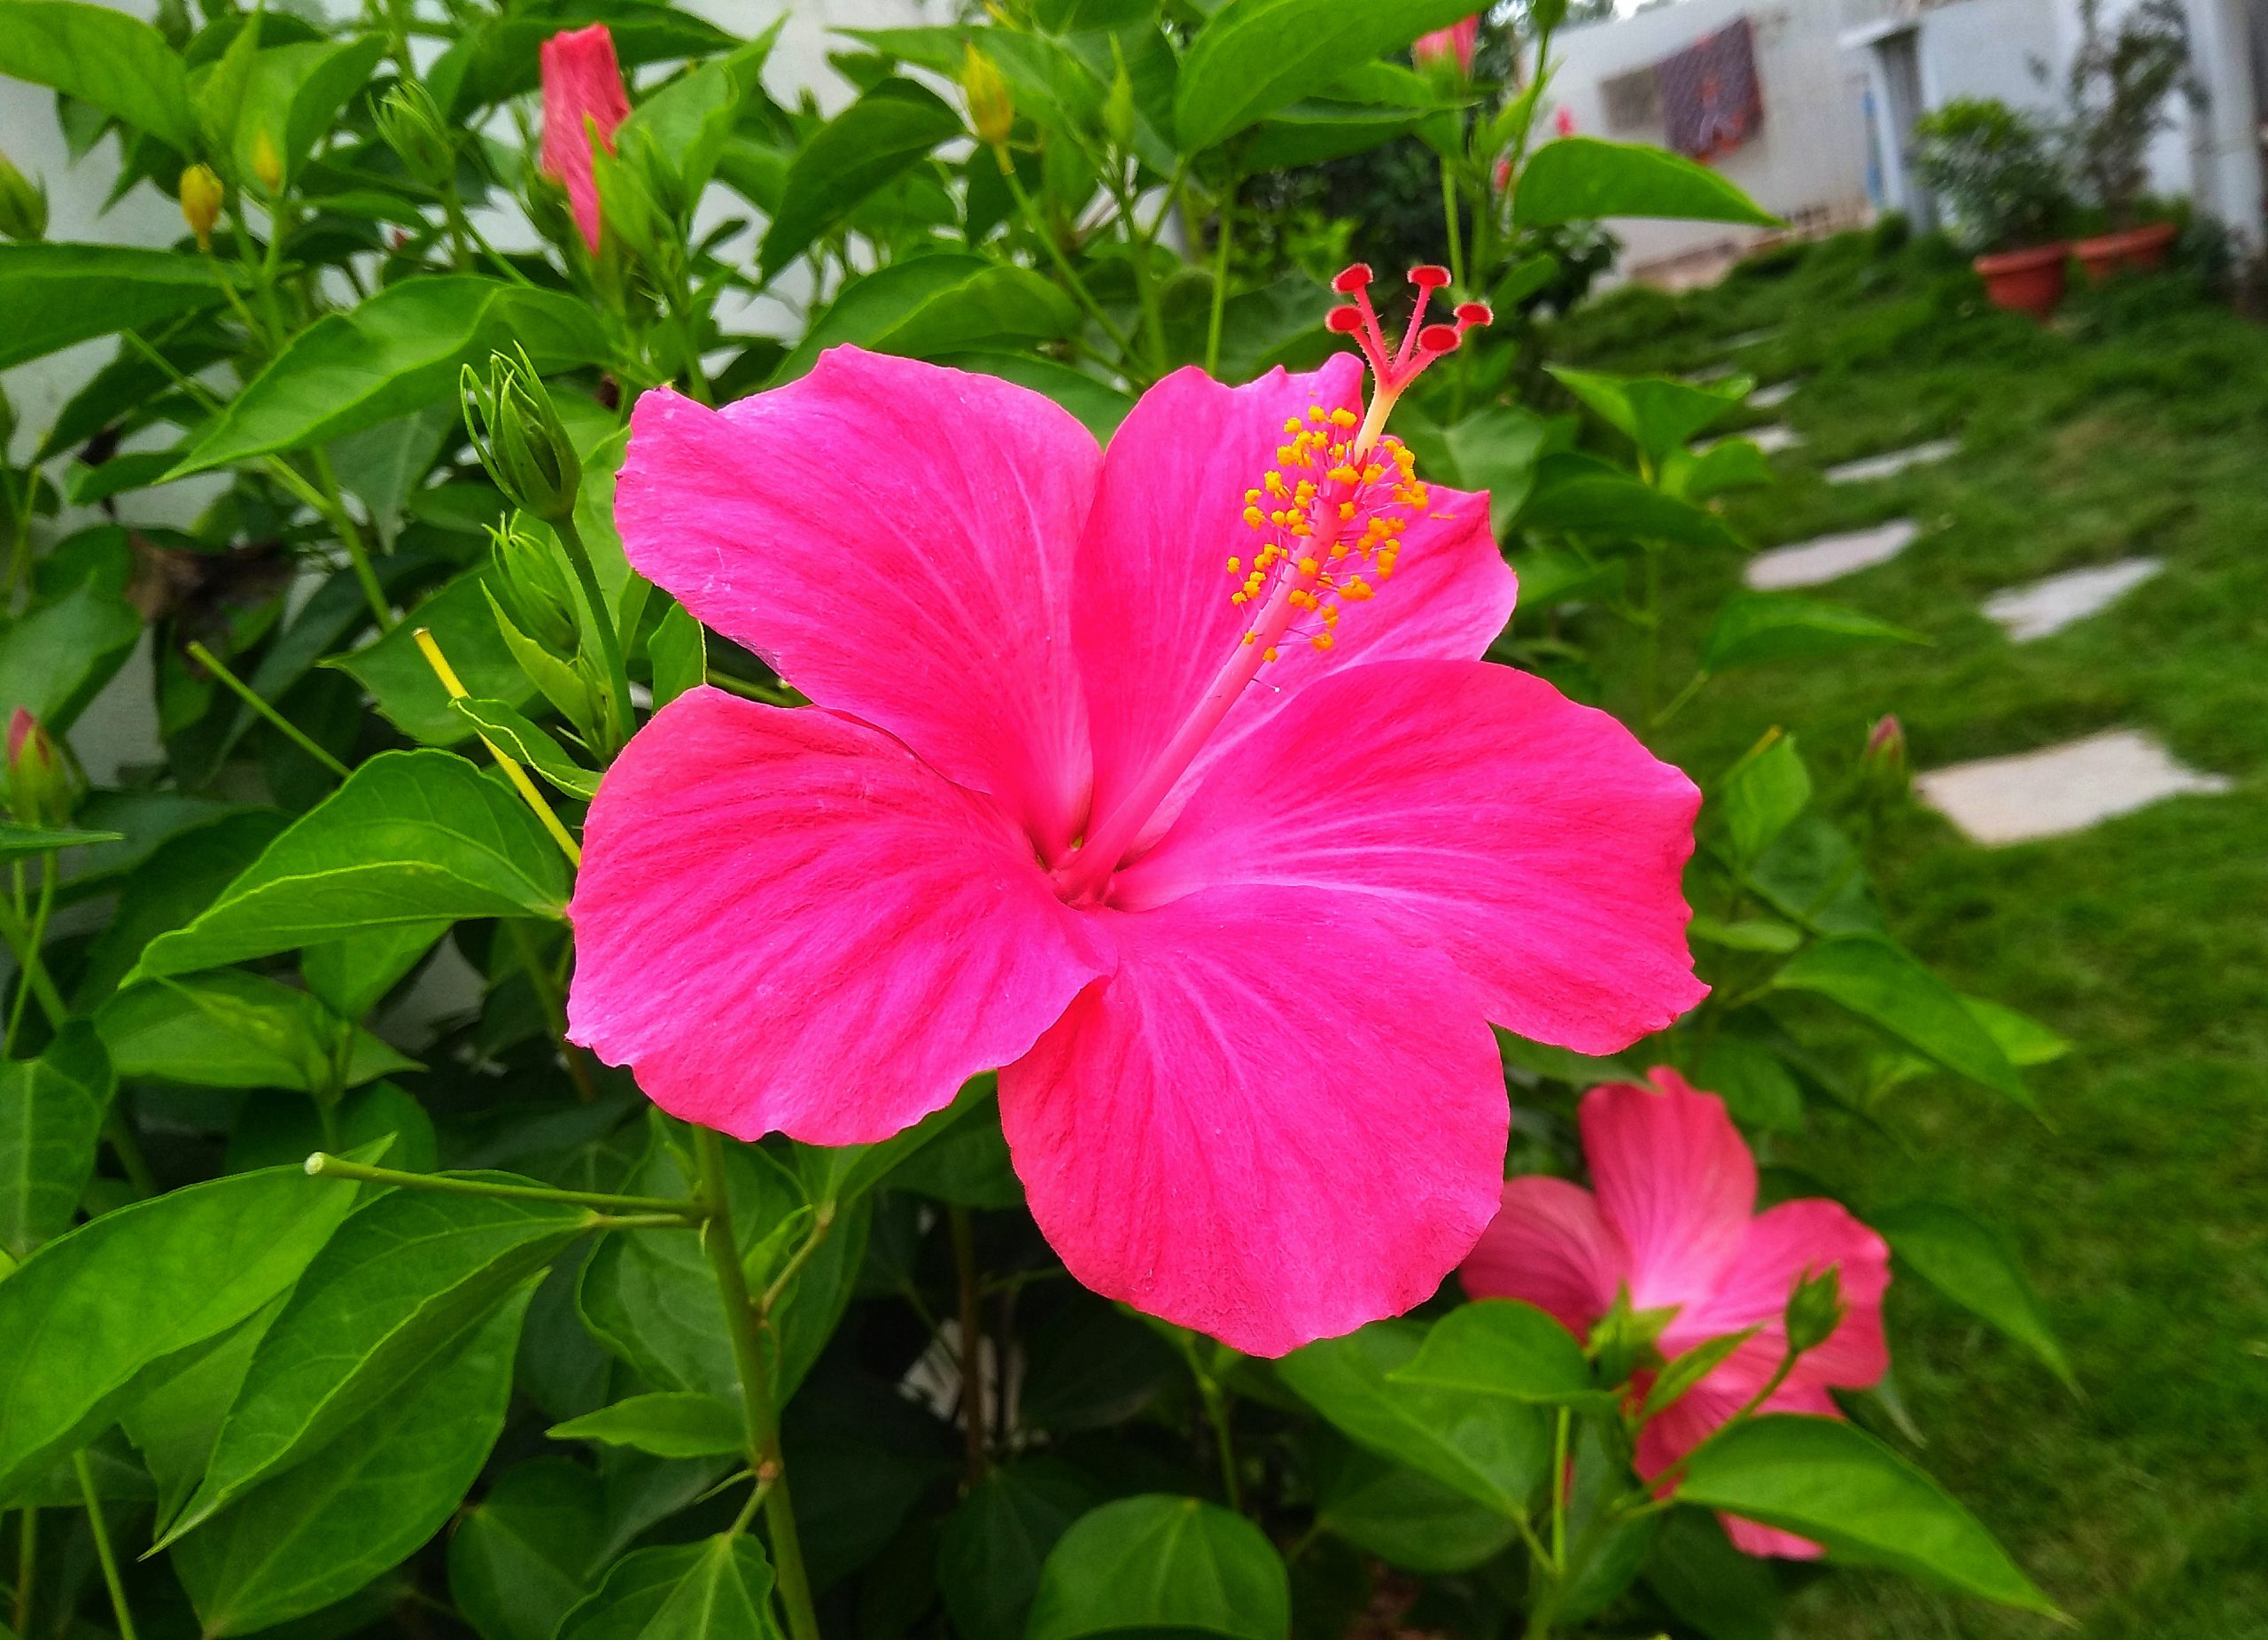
point(946, 804)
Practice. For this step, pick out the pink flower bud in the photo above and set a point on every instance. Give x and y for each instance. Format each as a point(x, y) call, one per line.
point(583, 101)
point(1444, 46)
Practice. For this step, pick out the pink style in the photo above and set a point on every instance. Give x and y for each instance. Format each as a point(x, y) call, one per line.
point(583, 102)
point(1456, 43)
point(1169, 779)
point(1671, 1217)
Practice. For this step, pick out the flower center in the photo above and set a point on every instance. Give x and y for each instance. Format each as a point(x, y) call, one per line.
point(1330, 515)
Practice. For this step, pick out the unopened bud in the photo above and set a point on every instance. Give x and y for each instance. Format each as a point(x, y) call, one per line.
point(1118, 107)
point(39, 787)
point(266, 164)
point(409, 122)
point(1814, 1310)
point(1626, 1340)
point(23, 204)
point(1881, 764)
point(532, 586)
point(517, 433)
point(201, 193)
point(991, 110)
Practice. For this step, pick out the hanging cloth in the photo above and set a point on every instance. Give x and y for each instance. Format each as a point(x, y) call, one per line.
point(1711, 101)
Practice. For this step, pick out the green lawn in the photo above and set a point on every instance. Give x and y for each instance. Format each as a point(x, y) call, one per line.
point(2138, 424)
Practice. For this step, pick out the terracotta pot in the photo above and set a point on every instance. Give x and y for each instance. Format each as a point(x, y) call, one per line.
point(2029, 281)
point(2138, 249)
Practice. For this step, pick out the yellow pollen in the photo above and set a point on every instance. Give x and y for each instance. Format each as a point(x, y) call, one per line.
point(1269, 654)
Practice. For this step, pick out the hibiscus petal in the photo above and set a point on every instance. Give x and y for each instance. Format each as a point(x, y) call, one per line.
point(1549, 1246)
point(1779, 1248)
point(785, 921)
point(1675, 1176)
point(1155, 624)
point(896, 538)
point(1276, 1122)
point(1477, 808)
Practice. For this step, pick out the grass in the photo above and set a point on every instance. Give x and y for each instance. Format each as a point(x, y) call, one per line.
point(2138, 424)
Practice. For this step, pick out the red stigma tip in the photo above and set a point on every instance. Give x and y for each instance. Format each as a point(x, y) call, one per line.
point(1430, 277)
point(1475, 313)
point(1438, 338)
point(1344, 320)
point(1352, 279)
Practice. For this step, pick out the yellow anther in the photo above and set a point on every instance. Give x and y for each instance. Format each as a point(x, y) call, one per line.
point(1291, 423)
point(1251, 637)
point(1235, 566)
point(1267, 654)
point(1254, 517)
point(1342, 418)
point(1321, 641)
point(1309, 566)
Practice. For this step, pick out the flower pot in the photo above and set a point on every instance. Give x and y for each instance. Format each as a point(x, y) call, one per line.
point(2137, 250)
point(2028, 281)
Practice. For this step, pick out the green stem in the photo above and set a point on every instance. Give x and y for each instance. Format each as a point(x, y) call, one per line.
point(17, 938)
point(972, 1343)
point(1225, 1444)
point(822, 1221)
point(744, 1328)
point(27, 1568)
point(1456, 233)
point(327, 502)
point(1220, 280)
point(324, 1165)
point(747, 689)
point(34, 943)
point(1683, 698)
point(127, 1149)
point(117, 1605)
point(251, 697)
point(555, 1008)
point(1128, 353)
point(586, 577)
point(1559, 1492)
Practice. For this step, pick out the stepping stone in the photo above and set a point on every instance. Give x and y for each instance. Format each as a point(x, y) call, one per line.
point(2059, 789)
point(1773, 397)
point(1772, 439)
point(2033, 611)
point(1749, 339)
point(1892, 462)
point(1712, 373)
point(1830, 557)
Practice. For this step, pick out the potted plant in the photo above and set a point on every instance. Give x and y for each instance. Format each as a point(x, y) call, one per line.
point(1993, 169)
point(2116, 95)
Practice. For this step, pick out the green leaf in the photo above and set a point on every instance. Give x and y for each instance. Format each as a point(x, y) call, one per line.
point(687, 124)
point(1834, 1483)
point(1966, 1262)
point(1766, 934)
point(1580, 179)
point(369, 1499)
point(716, 1589)
point(1407, 1518)
point(530, 743)
point(1762, 796)
point(410, 837)
point(2022, 1038)
point(1098, 404)
point(392, 1296)
point(396, 353)
point(1655, 413)
point(1752, 628)
point(943, 303)
point(293, 94)
point(1501, 1348)
point(1254, 57)
point(680, 652)
point(1047, 83)
point(174, 1423)
point(104, 58)
point(891, 127)
point(351, 975)
point(1885, 983)
point(1682, 1373)
point(995, 1541)
point(383, 466)
point(1721, 1593)
point(1162, 1563)
point(1364, 108)
point(669, 1425)
point(57, 656)
point(234, 1030)
point(55, 295)
point(522, 1557)
point(1581, 493)
point(52, 1112)
point(1756, 1085)
point(1489, 1449)
point(134, 1289)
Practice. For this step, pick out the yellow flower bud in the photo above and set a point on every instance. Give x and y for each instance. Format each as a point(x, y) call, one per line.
point(266, 164)
point(201, 193)
point(991, 110)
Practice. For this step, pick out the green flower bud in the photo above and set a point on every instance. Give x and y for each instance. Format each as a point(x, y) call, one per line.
point(1118, 106)
point(410, 123)
point(39, 785)
point(1814, 1310)
point(1625, 1340)
point(532, 584)
point(517, 434)
point(23, 204)
point(1881, 764)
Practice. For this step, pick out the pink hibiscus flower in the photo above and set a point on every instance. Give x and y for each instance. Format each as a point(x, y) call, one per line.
point(1100, 788)
point(583, 102)
point(1456, 43)
point(1672, 1221)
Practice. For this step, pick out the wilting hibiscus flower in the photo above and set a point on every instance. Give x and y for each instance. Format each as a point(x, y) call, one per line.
point(583, 102)
point(1167, 779)
point(1671, 1220)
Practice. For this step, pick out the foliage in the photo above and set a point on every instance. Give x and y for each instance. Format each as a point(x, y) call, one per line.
point(663, 1382)
point(2116, 93)
point(1992, 165)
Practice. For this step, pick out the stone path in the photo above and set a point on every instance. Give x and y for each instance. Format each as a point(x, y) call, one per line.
point(2050, 605)
point(2059, 789)
point(1773, 397)
point(1749, 339)
point(1891, 462)
point(1772, 439)
point(1829, 557)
